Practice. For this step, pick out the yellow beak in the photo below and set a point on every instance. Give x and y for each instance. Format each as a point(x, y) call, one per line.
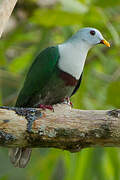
point(105, 42)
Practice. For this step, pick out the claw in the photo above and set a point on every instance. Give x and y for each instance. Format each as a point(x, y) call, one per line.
point(67, 101)
point(71, 104)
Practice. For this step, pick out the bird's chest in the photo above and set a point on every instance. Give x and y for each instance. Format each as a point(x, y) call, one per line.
point(60, 86)
point(72, 60)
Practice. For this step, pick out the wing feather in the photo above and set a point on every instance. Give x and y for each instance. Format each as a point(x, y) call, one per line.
point(38, 75)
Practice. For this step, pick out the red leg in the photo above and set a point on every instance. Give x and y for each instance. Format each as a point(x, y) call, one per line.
point(67, 101)
point(42, 106)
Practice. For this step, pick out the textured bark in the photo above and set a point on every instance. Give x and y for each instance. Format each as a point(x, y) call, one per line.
point(65, 128)
point(6, 8)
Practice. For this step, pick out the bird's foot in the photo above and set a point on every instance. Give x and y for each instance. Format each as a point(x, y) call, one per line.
point(44, 107)
point(67, 101)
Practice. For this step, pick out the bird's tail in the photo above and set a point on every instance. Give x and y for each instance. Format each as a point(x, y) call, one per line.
point(20, 156)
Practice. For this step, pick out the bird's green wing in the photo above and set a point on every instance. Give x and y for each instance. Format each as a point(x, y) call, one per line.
point(38, 75)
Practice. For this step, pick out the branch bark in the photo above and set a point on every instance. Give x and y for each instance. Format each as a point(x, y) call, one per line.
point(65, 128)
point(6, 8)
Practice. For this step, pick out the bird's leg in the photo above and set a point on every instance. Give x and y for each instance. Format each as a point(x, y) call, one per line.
point(67, 101)
point(44, 107)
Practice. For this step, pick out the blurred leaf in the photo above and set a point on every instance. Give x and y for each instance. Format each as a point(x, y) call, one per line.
point(92, 17)
point(52, 17)
point(83, 164)
point(73, 6)
point(113, 94)
point(105, 4)
point(4, 177)
point(44, 165)
point(20, 63)
point(112, 163)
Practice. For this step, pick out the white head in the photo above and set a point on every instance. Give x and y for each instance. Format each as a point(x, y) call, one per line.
point(89, 36)
point(74, 51)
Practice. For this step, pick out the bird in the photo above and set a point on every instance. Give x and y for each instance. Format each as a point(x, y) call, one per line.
point(55, 75)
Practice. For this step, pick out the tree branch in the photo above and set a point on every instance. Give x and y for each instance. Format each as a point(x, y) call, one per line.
point(6, 8)
point(65, 128)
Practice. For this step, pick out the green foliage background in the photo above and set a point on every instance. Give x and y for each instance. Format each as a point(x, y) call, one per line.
point(37, 24)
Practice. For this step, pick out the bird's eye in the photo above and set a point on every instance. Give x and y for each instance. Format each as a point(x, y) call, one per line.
point(92, 32)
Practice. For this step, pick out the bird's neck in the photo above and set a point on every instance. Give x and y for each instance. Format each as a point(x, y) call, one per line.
point(72, 57)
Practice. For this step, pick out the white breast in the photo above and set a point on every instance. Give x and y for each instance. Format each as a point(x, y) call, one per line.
point(72, 58)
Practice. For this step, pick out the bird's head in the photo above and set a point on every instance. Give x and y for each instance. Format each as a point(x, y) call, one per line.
point(91, 37)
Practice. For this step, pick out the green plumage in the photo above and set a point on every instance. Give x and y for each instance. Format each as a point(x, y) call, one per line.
point(43, 84)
